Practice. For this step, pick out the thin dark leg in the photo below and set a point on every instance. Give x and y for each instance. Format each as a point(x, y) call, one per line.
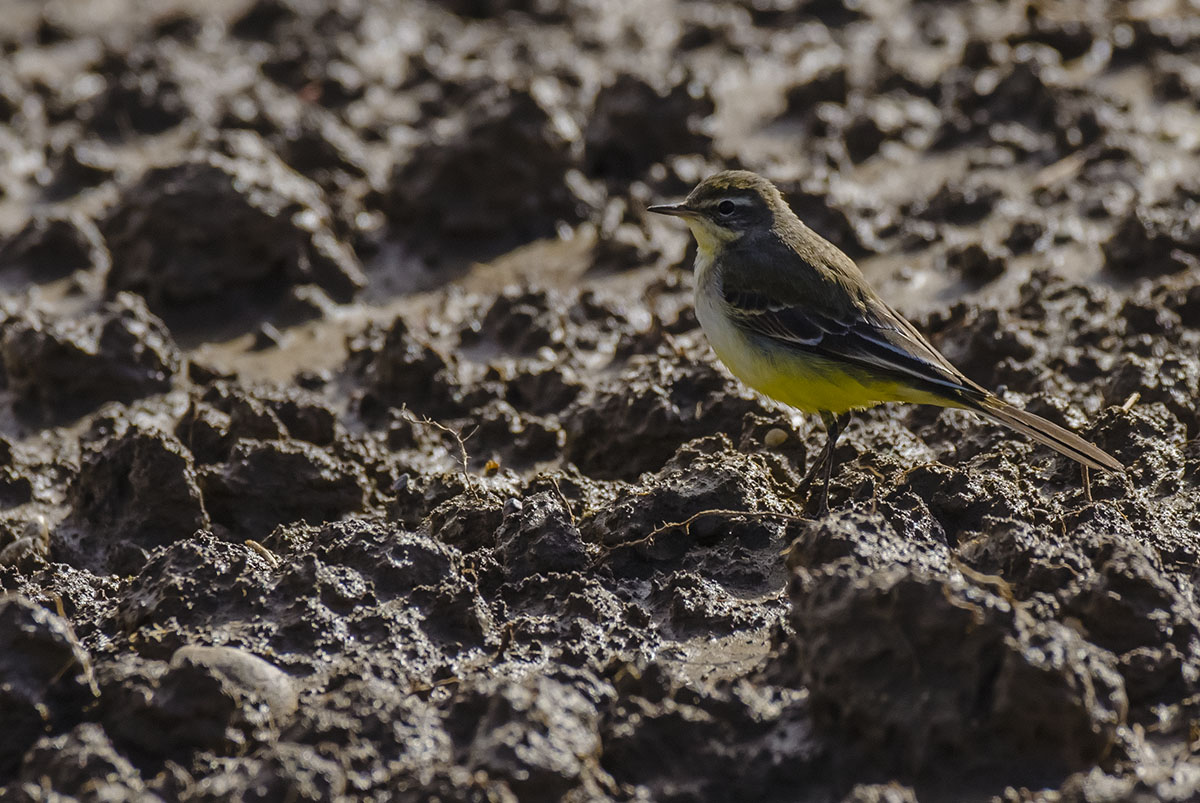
point(824, 463)
point(817, 466)
point(815, 469)
point(833, 428)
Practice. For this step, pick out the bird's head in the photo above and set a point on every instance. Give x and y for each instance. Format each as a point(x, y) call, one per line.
point(725, 206)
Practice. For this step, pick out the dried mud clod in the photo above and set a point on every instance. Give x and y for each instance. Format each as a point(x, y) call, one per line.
point(508, 161)
point(134, 491)
point(231, 228)
point(75, 759)
point(52, 247)
point(633, 126)
point(61, 367)
point(45, 675)
point(1042, 700)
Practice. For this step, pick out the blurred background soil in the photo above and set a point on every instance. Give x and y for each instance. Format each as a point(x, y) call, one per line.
point(358, 441)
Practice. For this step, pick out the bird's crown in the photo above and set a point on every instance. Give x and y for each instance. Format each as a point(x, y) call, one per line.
point(734, 184)
point(736, 200)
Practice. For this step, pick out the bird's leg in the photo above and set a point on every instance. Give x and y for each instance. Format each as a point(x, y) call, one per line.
point(833, 428)
point(813, 470)
point(824, 463)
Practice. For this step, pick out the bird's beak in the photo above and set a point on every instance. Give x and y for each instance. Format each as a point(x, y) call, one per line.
point(677, 210)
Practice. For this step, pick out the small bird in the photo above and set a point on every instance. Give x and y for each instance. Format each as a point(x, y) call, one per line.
point(794, 318)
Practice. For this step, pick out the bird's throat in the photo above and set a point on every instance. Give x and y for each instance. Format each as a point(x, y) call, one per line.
point(710, 237)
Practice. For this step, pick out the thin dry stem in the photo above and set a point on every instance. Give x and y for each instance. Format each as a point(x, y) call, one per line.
point(458, 437)
point(687, 523)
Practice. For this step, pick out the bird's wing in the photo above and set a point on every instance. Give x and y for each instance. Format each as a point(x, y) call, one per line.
point(862, 332)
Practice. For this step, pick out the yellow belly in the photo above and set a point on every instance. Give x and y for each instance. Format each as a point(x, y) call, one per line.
point(813, 385)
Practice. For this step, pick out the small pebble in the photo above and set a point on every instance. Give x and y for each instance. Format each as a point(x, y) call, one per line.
point(774, 437)
point(247, 672)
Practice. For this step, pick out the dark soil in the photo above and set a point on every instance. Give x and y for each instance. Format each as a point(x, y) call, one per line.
point(358, 440)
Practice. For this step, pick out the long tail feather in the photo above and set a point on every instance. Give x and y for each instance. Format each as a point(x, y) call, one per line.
point(1052, 435)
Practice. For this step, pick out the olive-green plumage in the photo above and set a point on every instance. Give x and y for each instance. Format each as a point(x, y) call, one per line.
point(794, 317)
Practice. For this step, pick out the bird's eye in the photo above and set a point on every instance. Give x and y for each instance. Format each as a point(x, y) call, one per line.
point(725, 208)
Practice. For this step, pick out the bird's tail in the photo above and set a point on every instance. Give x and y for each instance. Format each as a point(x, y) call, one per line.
point(1061, 440)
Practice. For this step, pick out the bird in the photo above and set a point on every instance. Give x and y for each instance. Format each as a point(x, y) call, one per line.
point(793, 317)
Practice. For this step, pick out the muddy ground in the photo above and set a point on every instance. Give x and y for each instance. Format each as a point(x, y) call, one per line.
point(358, 435)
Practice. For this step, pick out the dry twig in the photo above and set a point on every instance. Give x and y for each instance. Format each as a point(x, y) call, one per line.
point(687, 523)
point(458, 437)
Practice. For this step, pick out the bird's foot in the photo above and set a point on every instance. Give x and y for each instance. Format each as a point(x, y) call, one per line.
point(822, 503)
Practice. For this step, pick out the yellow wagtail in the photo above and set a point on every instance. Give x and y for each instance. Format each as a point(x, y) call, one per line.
point(794, 318)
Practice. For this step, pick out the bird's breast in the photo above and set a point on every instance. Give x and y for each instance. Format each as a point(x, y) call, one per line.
point(742, 356)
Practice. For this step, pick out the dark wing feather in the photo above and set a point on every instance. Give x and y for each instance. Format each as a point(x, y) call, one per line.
point(873, 337)
point(756, 311)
